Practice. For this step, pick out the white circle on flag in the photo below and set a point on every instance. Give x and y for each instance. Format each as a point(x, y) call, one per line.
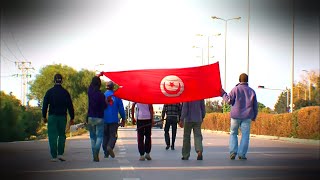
point(171, 86)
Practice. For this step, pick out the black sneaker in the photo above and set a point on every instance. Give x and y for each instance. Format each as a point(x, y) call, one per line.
point(61, 158)
point(167, 147)
point(242, 158)
point(233, 156)
point(110, 151)
point(96, 158)
point(184, 158)
point(172, 147)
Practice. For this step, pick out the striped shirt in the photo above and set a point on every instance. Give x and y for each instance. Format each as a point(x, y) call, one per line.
point(171, 110)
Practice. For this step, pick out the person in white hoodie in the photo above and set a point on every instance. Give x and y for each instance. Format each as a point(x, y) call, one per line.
point(145, 122)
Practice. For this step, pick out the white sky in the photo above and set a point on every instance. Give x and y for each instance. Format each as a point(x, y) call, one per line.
point(140, 34)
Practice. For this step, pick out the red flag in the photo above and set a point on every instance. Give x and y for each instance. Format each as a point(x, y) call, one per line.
point(165, 86)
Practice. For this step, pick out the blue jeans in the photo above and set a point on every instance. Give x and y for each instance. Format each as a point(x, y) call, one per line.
point(245, 135)
point(95, 126)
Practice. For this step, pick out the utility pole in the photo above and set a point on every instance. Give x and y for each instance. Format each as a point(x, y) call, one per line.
point(24, 67)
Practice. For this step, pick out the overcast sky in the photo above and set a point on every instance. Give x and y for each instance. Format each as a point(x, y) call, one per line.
point(142, 34)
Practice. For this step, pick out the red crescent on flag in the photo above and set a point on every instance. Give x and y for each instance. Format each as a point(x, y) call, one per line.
point(171, 92)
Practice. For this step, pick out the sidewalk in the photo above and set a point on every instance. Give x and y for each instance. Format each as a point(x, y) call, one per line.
point(277, 138)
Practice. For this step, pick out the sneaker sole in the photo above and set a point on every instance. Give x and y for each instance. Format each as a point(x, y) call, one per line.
point(148, 158)
point(61, 159)
point(242, 158)
point(111, 153)
point(232, 156)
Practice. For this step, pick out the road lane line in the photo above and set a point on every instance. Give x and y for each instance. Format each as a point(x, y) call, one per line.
point(129, 168)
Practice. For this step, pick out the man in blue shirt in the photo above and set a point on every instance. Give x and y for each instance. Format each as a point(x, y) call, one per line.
point(111, 120)
point(244, 109)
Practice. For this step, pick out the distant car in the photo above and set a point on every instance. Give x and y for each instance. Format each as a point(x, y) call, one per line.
point(158, 122)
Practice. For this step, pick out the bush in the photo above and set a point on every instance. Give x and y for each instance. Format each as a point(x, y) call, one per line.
point(303, 123)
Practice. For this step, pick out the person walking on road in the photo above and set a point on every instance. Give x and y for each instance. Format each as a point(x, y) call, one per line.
point(58, 100)
point(172, 113)
point(111, 120)
point(192, 115)
point(96, 107)
point(145, 122)
point(244, 109)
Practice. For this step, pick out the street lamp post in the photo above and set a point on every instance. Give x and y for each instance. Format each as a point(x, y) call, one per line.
point(287, 91)
point(201, 53)
point(225, 50)
point(309, 83)
point(225, 45)
point(95, 70)
point(208, 45)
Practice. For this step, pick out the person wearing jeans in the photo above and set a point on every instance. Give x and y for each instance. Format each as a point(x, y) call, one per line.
point(97, 104)
point(244, 109)
point(244, 125)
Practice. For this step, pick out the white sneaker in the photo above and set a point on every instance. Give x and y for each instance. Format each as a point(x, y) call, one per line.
point(142, 158)
point(148, 157)
point(61, 158)
point(54, 159)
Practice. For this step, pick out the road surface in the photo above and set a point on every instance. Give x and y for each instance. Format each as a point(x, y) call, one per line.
point(267, 159)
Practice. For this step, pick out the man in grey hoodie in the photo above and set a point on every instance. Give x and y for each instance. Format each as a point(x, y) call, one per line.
point(244, 109)
point(191, 118)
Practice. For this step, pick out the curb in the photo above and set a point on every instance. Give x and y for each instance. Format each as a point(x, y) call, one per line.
point(293, 140)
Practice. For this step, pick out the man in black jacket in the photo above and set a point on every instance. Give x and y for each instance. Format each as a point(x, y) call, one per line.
point(58, 100)
point(172, 113)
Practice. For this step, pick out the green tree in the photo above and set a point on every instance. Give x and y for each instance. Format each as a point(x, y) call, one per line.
point(44, 81)
point(213, 106)
point(17, 122)
point(75, 82)
point(281, 105)
point(263, 108)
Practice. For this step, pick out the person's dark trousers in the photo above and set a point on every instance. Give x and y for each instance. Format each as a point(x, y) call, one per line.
point(109, 136)
point(144, 136)
point(57, 134)
point(170, 121)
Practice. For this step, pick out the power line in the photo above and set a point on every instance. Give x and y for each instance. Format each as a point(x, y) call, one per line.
point(9, 49)
point(14, 39)
point(7, 58)
point(13, 75)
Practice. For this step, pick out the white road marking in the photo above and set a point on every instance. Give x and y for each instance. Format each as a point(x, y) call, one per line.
point(127, 168)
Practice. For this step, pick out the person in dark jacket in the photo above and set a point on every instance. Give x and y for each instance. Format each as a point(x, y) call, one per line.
point(172, 113)
point(191, 118)
point(244, 109)
point(58, 100)
point(97, 104)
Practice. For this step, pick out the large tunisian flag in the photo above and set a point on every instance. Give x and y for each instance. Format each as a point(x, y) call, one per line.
point(165, 86)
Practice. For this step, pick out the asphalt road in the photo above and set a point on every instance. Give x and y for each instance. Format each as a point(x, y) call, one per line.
point(267, 159)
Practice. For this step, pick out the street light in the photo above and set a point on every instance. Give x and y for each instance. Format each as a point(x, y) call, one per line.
point(309, 84)
point(201, 53)
point(95, 70)
point(287, 91)
point(225, 45)
point(225, 49)
point(208, 44)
